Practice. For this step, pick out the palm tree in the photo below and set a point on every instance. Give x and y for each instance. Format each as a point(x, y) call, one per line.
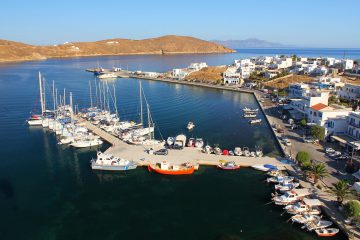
point(341, 190)
point(318, 171)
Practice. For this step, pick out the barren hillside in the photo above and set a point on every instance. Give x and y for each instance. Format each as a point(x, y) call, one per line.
point(15, 51)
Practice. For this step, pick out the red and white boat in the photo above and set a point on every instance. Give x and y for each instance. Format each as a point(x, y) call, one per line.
point(327, 232)
point(228, 165)
point(165, 168)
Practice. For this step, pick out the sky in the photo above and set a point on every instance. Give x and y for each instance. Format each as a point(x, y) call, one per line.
point(305, 23)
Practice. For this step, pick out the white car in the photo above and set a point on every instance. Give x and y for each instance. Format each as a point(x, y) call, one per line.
point(287, 142)
point(329, 150)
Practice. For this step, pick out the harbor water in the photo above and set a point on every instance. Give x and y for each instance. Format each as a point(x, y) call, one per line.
point(48, 191)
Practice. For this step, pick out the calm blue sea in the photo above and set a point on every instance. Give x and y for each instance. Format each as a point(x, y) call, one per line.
point(48, 191)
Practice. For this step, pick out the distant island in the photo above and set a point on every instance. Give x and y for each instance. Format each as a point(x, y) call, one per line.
point(170, 44)
point(250, 43)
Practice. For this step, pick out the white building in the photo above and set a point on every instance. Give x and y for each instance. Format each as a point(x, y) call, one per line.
point(268, 74)
point(332, 118)
point(298, 90)
point(151, 74)
point(347, 64)
point(349, 91)
point(231, 76)
point(197, 66)
point(179, 73)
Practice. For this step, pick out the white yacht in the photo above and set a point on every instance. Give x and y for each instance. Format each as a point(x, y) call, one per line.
point(86, 142)
point(190, 126)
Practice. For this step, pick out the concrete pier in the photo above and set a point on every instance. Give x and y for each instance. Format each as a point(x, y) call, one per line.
point(139, 153)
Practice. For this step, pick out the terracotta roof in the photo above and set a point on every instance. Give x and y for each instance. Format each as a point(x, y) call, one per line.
point(319, 106)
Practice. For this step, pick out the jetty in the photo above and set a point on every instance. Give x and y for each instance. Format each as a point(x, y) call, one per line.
point(140, 153)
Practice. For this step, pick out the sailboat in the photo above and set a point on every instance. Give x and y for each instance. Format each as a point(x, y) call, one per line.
point(36, 119)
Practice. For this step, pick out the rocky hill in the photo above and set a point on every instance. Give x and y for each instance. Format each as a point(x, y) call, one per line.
point(15, 51)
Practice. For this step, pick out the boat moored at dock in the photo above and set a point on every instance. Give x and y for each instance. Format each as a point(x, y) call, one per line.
point(111, 163)
point(171, 169)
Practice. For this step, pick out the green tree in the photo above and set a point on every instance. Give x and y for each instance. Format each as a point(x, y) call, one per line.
point(318, 171)
point(340, 190)
point(333, 99)
point(318, 132)
point(303, 122)
point(294, 57)
point(352, 209)
point(303, 157)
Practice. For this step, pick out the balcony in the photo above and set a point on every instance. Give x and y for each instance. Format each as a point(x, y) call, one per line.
point(353, 124)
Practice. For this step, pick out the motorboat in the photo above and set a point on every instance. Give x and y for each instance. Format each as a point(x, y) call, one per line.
point(199, 142)
point(109, 162)
point(207, 149)
point(165, 168)
point(170, 141)
point(275, 173)
point(327, 232)
point(246, 109)
point(86, 142)
point(180, 141)
point(252, 154)
point(292, 196)
point(305, 218)
point(286, 186)
point(255, 121)
point(310, 206)
point(249, 115)
point(259, 152)
point(107, 76)
point(237, 151)
point(217, 151)
point(190, 126)
point(35, 120)
point(246, 152)
point(280, 178)
point(317, 224)
point(191, 142)
point(231, 165)
point(265, 167)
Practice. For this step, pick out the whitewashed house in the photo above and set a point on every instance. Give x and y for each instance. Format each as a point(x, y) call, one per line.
point(347, 64)
point(179, 73)
point(197, 66)
point(332, 118)
point(270, 74)
point(245, 67)
point(232, 76)
point(349, 91)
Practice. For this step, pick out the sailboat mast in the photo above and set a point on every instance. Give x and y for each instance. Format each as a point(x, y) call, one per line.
point(108, 96)
point(141, 107)
point(44, 93)
point(115, 102)
point(100, 97)
point(71, 104)
point(41, 94)
point(53, 93)
point(64, 97)
point(91, 102)
point(148, 115)
point(96, 94)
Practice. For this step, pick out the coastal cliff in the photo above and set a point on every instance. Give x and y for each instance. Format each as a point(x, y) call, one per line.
point(171, 44)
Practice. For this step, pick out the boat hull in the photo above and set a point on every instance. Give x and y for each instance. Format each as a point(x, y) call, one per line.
point(95, 166)
point(186, 171)
point(228, 168)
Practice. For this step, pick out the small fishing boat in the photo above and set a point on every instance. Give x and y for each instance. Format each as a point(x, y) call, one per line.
point(180, 141)
point(237, 151)
point(246, 109)
point(252, 154)
point(231, 153)
point(255, 121)
point(290, 197)
point(317, 224)
point(279, 178)
point(225, 152)
point(327, 232)
point(304, 218)
point(165, 168)
point(191, 142)
point(190, 126)
point(35, 120)
point(286, 186)
point(207, 149)
point(275, 173)
point(170, 141)
point(249, 115)
point(309, 206)
point(199, 142)
point(109, 162)
point(231, 165)
point(260, 168)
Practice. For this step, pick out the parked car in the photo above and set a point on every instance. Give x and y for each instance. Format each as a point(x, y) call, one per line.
point(161, 152)
point(329, 150)
point(308, 139)
point(287, 142)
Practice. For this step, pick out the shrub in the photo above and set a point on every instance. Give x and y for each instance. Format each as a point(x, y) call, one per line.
point(352, 208)
point(303, 157)
point(318, 132)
